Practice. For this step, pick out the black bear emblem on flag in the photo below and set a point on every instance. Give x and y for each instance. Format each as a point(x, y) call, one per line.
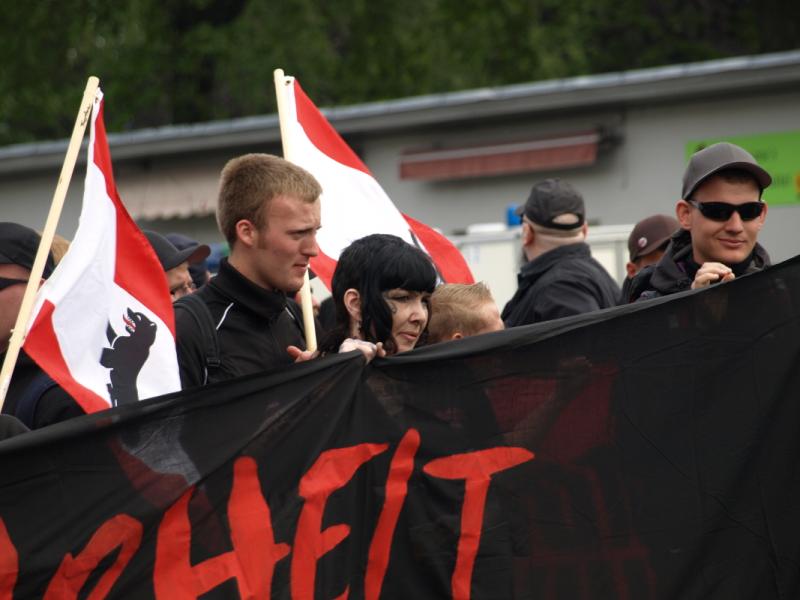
point(127, 356)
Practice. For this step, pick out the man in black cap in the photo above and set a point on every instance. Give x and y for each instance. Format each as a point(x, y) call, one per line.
point(198, 269)
point(721, 213)
point(647, 243)
point(32, 396)
point(176, 262)
point(560, 278)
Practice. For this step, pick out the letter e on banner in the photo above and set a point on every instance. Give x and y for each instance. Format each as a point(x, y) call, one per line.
point(331, 471)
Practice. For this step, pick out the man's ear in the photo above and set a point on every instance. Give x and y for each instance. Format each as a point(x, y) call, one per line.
point(763, 216)
point(352, 302)
point(246, 232)
point(456, 336)
point(528, 235)
point(683, 212)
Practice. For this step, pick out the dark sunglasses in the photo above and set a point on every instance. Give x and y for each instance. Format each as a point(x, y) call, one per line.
point(6, 282)
point(722, 211)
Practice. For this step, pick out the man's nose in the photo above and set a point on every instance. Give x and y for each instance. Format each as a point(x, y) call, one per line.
point(310, 247)
point(735, 222)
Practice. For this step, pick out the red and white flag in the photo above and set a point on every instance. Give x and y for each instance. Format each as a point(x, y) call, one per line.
point(353, 202)
point(102, 326)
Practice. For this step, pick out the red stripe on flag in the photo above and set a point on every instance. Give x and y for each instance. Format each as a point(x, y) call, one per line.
point(447, 258)
point(137, 270)
point(42, 341)
point(322, 134)
point(323, 266)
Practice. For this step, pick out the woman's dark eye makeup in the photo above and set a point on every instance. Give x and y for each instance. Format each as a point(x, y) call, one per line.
point(407, 297)
point(397, 296)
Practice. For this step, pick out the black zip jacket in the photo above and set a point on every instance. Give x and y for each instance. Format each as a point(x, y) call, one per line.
point(562, 282)
point(675, 271)
point(254, 326)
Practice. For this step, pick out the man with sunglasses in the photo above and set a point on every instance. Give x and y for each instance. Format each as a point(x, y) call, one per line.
point(721, 213)
point(32, 396)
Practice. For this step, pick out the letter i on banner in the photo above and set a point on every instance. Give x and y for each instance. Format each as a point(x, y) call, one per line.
point(353, 203)
point(103, 326)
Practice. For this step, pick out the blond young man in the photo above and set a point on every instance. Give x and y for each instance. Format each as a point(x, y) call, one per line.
point(269, 212)
point(461, 310)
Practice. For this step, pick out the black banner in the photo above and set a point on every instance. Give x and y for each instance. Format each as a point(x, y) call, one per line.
point(643, 452)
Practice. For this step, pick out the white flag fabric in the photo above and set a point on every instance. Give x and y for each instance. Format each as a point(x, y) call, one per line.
point(103, 326)
point(353, 203)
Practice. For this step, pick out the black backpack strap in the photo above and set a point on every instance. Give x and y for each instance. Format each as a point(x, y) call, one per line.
point(198, 309)
point(27, 404)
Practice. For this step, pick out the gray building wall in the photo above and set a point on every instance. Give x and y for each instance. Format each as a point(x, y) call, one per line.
point(638, 176)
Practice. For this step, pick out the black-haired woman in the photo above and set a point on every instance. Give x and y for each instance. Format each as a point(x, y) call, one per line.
point(381, 293)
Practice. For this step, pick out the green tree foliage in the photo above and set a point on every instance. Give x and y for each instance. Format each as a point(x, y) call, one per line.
point(182, 61)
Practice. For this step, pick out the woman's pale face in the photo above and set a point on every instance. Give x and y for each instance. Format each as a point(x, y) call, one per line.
point(410, 312)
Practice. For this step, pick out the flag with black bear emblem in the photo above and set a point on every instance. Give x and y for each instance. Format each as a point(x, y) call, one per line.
point(102, 326)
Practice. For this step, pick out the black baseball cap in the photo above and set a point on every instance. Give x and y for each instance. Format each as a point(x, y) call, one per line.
point(724, 155)
point(18, 246)
point(198, 270)
point(169, 256)
point(549, 200)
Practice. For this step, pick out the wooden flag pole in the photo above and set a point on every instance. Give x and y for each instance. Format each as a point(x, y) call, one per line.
point(18, 333)
point(305, 292)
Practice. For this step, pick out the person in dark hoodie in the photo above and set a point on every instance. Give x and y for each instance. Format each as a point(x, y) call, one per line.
point(721, 212)
point(647, 243)
point(560, 277)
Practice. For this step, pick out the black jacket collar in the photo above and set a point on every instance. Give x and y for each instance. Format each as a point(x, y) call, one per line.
point(237, 288)
point(676, 269)
point(543, 262)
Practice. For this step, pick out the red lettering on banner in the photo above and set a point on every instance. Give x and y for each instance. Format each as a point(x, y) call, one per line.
point(9, 564)
point(255, 553)
point(73, 572)
point(396, 490)
point(477, 469)
point(331, 471)
point(252, 560)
